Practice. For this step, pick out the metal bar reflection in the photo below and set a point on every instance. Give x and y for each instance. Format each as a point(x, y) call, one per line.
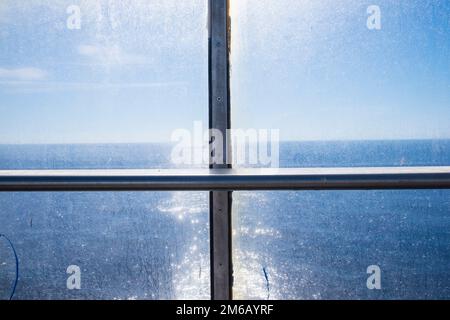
point(226, 179)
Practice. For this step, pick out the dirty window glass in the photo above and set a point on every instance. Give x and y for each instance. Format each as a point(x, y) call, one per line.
point(341, 244)
point(105, 245)
point(101, 84)
point(343, 71)
point(91, 84)
point(347, 84)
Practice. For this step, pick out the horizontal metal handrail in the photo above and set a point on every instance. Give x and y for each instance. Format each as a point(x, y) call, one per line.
point(226, 179)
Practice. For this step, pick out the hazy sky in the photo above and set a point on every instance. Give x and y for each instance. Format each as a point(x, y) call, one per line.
point(133, 72)
point(314, 69)
point(137, 70)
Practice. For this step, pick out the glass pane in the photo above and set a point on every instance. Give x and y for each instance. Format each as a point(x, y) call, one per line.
point(322, 244)
point(365, 153)
point(346, 83)
point(342, 71)
point(143, 245)
point(77, 78)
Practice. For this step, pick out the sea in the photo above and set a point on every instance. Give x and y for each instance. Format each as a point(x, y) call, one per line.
point(286, 244)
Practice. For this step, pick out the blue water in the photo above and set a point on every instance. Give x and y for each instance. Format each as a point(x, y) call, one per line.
point(287, 244)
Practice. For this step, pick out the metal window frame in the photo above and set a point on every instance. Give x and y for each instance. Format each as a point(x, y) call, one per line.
point(219, 119)
point(221, 179)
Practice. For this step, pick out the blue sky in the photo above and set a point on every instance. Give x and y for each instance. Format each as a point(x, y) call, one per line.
point(137, 70)
point(314, 69)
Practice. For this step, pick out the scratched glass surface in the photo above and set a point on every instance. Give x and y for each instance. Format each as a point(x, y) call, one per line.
point(319, 244)
point(99, 73)
point(96, 84)
point(143, 245)
point(348, 84)
point(342, 70)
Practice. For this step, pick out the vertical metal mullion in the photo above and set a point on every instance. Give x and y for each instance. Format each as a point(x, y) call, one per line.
point(219, 118)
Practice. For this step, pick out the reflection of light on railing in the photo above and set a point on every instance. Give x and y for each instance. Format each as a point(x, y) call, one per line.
point(227, 179)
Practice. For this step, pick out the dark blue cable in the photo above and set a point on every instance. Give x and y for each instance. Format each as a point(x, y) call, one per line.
point(17, 266)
